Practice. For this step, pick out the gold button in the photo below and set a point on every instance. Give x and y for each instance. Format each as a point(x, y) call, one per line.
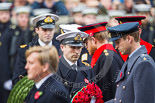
point(124, 87)
point(34, 34)
point(106, 54)
point(0, 43)
point(120, 101)
point(114, 99)
point(17, 33)
point(128, 73)
point(13, 26)
point(117, 85)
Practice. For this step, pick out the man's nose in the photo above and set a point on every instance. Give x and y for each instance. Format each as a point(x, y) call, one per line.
point(26, 66)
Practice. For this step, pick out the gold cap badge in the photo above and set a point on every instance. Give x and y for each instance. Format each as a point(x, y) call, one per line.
point(78, 37)
point(48, 19)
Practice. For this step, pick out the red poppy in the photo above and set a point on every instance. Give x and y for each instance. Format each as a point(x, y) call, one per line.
point(37, 94)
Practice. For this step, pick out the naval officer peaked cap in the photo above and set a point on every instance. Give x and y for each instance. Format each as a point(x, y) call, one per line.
point(45, 20)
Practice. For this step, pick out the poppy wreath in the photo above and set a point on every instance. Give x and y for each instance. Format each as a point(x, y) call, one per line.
point(20, 90)
point(88, 94)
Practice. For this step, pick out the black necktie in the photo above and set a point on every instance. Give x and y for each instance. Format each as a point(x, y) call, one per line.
point(74, 66)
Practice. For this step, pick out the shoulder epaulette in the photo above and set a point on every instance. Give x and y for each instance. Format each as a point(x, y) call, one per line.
point(23, 46)
point(144, 57)
point(84, 57)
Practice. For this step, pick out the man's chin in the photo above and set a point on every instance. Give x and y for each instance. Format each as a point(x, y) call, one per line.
point(123, 53)
point(91, 53)
point(28, 77)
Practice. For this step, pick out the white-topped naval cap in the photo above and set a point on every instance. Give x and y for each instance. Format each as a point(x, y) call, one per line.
point(142, 7)
point(71, 34)
point(5, 6)
point(116, 13)
point(52, 19)
point(22, 9)
point(69, 27)
point(93, 11)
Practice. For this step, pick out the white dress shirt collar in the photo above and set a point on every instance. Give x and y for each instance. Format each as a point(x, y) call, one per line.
point(43, 44)
point(38, 85)
point(134, 52)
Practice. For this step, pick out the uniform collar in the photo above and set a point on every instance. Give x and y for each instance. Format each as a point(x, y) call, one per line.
point(136, 54)
point(134, 51)
point(43, 44)
point(38, 85)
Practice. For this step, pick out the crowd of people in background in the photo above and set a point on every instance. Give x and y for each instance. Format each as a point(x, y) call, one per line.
point(17, 29)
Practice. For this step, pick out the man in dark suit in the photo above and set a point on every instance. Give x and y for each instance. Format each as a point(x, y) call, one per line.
point(45, 27)
point(71, 70)
point(42, 63)
point(136, 80)
point(105, 62)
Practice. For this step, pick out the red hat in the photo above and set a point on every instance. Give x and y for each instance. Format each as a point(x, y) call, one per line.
point(127, 19)
point(93, 28)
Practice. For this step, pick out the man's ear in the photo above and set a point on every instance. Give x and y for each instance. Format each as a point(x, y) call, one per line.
point(36, 30)
point(94, 40)
point(62, 47)
point(46, 67)
point(140, 30)
point(129, 38)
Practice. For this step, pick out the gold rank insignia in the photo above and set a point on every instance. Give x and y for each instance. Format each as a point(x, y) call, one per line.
point(23, 46)
point(48, 19)
point(78, 37)
point(144, 58)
